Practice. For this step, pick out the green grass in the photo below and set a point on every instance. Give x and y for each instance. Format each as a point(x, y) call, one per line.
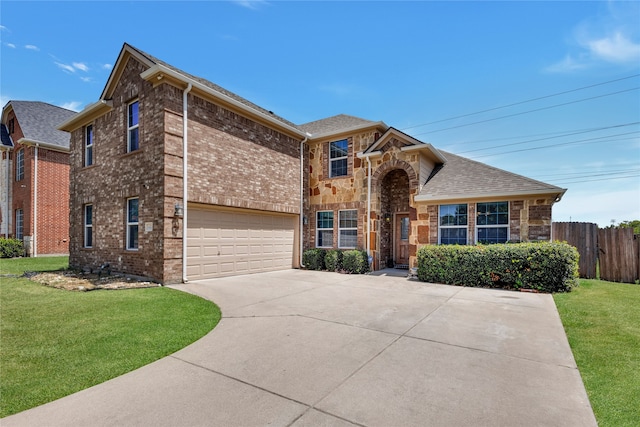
point(602, 322)
point(55, 342)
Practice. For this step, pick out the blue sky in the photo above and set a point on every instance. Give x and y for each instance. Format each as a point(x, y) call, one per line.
point(549, 90)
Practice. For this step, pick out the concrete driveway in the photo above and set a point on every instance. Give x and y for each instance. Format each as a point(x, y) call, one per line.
point(303, 348)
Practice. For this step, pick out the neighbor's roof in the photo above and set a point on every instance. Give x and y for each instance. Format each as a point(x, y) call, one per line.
point(39, 122)
point(462, 178)
point(337, 124)
point(211, 85)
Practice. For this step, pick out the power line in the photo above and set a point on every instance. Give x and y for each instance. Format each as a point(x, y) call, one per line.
point(551, 137)
point(612, 171)
point(600, 179)
point(521, 102)
point(531, 111)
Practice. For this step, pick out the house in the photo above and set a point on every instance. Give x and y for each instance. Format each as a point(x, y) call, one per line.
point(259, 190)
point(34, 177)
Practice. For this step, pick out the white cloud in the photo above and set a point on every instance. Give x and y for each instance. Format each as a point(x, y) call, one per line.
point(72, 105)
point(80, 66)
point(615, 48)
point(567, 65)
point(11, 45)
point(107, 66)
point(250, 4)
point(65, 67)
point(32, 47)
point(86, 79)
point(3, 28)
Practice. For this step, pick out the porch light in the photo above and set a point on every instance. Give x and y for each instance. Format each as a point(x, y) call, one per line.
point(178, 211)
point(387, 217)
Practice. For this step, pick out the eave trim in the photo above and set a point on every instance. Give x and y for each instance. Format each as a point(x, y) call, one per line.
point(428, 198)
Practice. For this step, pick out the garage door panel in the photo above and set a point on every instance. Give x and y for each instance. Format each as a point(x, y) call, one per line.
point(223, 243)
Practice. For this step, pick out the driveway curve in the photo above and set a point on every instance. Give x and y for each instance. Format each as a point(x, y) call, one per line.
point(304, 348)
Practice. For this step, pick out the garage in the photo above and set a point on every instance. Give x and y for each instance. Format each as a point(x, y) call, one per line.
point(227, 242)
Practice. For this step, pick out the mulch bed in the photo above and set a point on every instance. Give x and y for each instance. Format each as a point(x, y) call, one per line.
point(78, 281)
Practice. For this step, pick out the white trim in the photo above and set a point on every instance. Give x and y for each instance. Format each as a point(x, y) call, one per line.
point(318, 229)
point(511, 194)
point(507, 225)
point(340, 246)
point(130, 224)
point(19, 236)
point(331, 160)
point(86, 226)
point(88, 147)
point(136, 126)
point(465, 226)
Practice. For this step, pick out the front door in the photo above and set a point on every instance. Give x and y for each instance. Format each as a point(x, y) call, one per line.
point(401, 239)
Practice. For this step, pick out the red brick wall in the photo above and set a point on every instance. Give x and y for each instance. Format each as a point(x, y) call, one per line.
point(53, 202)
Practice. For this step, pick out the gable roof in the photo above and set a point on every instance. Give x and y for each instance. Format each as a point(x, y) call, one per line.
point(410, 144)
point(338, 124)
point(5, 139)
point(462, 178)
point(39, 122)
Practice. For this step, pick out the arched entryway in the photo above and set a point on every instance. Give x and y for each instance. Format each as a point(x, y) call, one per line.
point(394, 219)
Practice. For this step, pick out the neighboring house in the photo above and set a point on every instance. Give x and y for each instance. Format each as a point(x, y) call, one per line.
point(34, 191)
point(260, 189)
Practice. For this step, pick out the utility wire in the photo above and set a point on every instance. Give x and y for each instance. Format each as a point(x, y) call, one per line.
point(531, 111)
point(521, 102)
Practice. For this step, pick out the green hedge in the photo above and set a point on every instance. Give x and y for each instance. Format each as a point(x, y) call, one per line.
point(546, 267)
point(11, 248)
point(352, 262)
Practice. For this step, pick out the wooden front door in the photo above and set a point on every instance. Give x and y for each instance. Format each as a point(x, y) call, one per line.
point(401, 239)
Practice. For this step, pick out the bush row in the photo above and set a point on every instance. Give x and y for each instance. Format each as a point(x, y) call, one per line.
point(544, 266)
point(352, 261)
point(11, 248)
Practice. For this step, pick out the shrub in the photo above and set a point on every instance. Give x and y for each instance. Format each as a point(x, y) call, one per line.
point(333, 260)
point(355, 261)
point(313, 259)
point(547, 267)
point(11, 248)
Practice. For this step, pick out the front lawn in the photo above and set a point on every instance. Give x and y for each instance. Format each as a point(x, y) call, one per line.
point(57, 342)
point(602, 322)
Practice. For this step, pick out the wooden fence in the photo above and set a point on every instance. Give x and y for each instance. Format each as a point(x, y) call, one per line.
point(617, 249)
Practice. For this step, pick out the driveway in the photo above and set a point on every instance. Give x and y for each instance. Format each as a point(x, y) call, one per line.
point(303, 348)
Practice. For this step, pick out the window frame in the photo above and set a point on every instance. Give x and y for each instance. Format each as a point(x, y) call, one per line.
point(133, 128)
point(20, 165)
point(324, 229)
point(19, 216)
point(465, 226)
point(132, 225)
point(88, 145)
point(88, 226)
point(344, 158)
point(506, 225)
point(341, 228)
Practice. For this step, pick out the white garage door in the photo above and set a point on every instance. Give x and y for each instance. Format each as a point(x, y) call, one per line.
point(224, 242)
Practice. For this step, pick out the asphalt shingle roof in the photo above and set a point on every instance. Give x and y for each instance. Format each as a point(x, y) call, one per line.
point(213, 86)
point(334, 124)
point(462, 176)
point(39, 121)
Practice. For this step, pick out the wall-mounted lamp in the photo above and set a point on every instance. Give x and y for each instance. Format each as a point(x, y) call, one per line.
point(178, 211)
point(387, 216)
point(305, 220)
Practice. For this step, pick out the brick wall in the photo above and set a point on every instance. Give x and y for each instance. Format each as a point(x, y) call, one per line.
point(53, 202)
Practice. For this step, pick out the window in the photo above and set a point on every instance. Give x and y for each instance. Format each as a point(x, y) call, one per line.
point(20, 165)
point(133, 140)
point(492, 222)
point(453, 224)
point(19, 224)
point(324, 227)
point(132, 224)
point(88, 226)
point(11, 126)
point(338, 158)
point(348, 229)
point(88, 146)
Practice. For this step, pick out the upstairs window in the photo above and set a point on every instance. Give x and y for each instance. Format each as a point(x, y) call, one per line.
point(347, 229)
point(452, 224)
point(20, 165)
point(132, 224)
point(88, 145)
point(324, 229)
point(88, 226)
point(133, 134)
point(338, 158)
point(492, 222)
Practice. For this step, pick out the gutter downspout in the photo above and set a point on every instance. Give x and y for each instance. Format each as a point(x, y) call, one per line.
point(184, 182)
point(369, 207)
point(34, 240)
point(8, 214)
point(302, 193)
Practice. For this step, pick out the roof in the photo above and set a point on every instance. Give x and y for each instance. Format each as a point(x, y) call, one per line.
point(462, 178)
point(336, 124)
point(210, 85)
point(4, 137)
point(39, 121)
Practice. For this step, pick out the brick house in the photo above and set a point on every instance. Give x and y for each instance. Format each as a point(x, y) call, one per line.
point(34, 190)
point(260, 189)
